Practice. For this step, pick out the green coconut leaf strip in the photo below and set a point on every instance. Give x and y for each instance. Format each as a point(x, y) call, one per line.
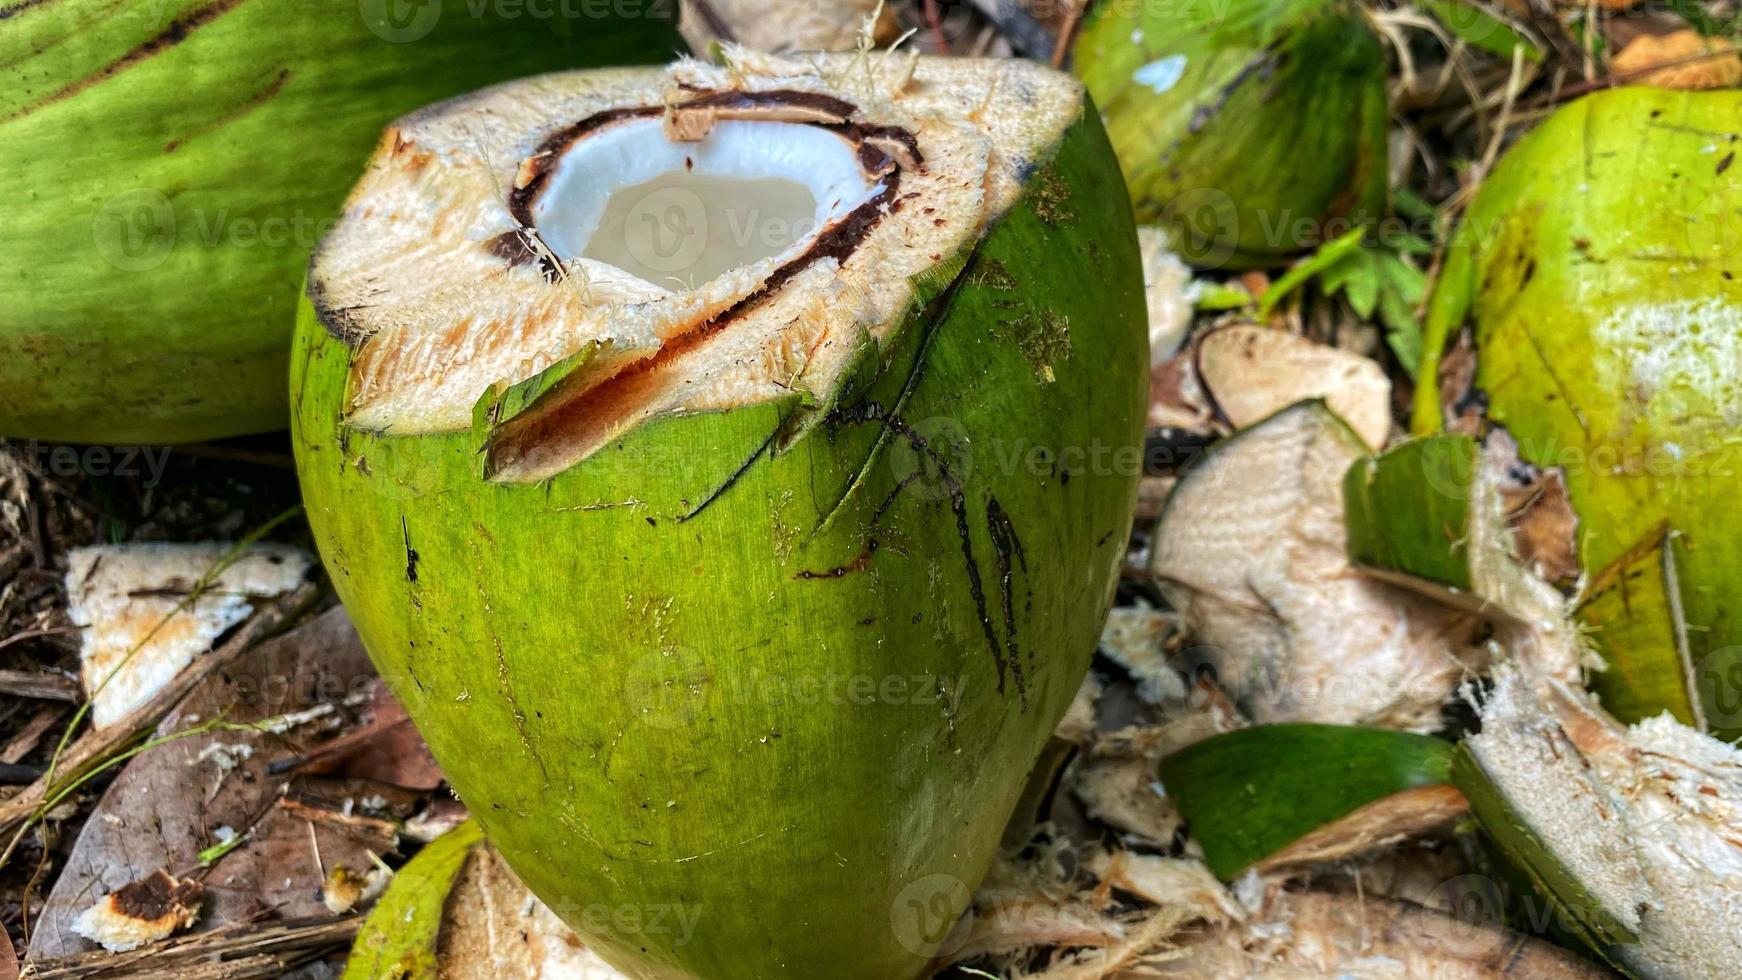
point(1319, 262)
point(1408, 510)
point(1477, 27)
point(1250, 795)
point(504, 402)
point(400, 939)
point(1574, 904)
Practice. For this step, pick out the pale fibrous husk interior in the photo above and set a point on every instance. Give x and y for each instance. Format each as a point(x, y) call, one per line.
point(1643, 823)
point(464, 262)
point(1251, 548)
point(1646, 818)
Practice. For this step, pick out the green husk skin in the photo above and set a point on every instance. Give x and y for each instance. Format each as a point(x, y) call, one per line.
point(761, 687)
point(1596, 272)
point(169, 164)
point(1248, 794)
point(1407, 510)
point(401, 937)
point(1272, 141)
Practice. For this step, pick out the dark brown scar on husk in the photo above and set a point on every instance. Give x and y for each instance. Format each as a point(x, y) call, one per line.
point(1004, 658)
point(177, 32)
point(19, 8)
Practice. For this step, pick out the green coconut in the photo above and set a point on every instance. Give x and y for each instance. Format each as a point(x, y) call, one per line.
point(168, 165)
point(748, 577)
point(1594, 278)
point(1255, 129)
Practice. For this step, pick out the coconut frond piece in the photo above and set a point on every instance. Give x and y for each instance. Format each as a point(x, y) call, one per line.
point(1209, 108)
point(1599, 325)
point(1636, 833)
point(1279, 795)
point(1302, 935)
point(1251, 547)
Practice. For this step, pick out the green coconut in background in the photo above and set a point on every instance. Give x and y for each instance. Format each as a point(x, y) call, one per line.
point(1254, 130)
point(1590, 302)
point(729, 468)
point(168, 166)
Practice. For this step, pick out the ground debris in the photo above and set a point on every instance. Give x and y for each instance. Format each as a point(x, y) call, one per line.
point(141, 912)
point(171, 805)
point(147, 610)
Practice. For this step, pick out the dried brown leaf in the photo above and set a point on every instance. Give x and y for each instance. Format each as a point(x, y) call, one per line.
point(1684, 59)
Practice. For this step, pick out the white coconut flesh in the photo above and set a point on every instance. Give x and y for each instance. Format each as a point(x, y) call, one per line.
point(679, 240)
point(679, 214)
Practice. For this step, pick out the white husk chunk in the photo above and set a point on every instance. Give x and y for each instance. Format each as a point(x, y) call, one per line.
point(1313, 935)
point(1169, 291)
point(788, 25)
point(1253, 372)
point(493, 927)
point(126, 598)
point(1648, 818)
point(1134, 638)
point(1251, 547)
point(440, 317)
point(160, 906)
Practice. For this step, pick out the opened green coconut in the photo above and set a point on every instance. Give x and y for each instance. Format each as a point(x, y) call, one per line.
point(1590, 303)
point(1255, 129)
point(728, 467)
point(169, 165)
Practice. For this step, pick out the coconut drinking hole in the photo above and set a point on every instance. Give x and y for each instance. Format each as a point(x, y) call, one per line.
point(678, 214)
